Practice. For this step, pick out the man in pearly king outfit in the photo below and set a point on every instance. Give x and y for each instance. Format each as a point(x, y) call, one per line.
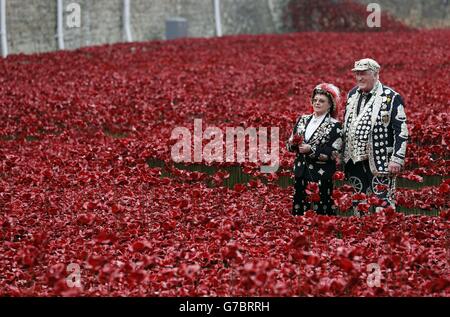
point(375, 134)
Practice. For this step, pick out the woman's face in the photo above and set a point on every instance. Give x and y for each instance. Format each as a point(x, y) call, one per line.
point(320, 104)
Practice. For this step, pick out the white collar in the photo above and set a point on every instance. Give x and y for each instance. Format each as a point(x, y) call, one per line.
point(319, 118)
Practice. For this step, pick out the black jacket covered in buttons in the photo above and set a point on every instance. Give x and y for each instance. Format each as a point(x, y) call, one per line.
point(326, 142)
point(388, 135)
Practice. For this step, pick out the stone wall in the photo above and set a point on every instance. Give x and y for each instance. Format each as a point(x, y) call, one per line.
point(31, 24)
point(101, 22)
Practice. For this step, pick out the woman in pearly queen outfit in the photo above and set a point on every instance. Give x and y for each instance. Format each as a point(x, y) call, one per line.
point(316, 139)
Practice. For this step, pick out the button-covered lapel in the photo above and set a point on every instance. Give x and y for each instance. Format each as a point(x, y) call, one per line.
point(319, 133)
point(301, 126)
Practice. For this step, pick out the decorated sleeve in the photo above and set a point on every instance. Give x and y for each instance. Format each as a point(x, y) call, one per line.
point(289, 146)
point(400, 128)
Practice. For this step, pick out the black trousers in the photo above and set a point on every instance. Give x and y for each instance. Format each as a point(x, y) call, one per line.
point(363, 181)
point(302, 204)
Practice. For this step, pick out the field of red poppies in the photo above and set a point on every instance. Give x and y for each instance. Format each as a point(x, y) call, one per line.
point(78, 130)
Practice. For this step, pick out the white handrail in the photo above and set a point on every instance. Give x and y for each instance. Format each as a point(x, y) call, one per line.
point(4, 42)
point(59, 24)
point(217, 17)
point(126, 20)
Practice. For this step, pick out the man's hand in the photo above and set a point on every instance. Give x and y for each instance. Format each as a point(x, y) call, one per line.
point(394, 168)
point(304, 148)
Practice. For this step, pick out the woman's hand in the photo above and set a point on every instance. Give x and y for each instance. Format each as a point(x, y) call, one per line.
point(394, 168)
point(304, 148)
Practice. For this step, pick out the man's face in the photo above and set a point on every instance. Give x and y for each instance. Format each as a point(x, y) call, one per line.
point(365, 79)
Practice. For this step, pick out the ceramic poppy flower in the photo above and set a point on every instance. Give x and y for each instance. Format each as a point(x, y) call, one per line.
point(297, 140)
